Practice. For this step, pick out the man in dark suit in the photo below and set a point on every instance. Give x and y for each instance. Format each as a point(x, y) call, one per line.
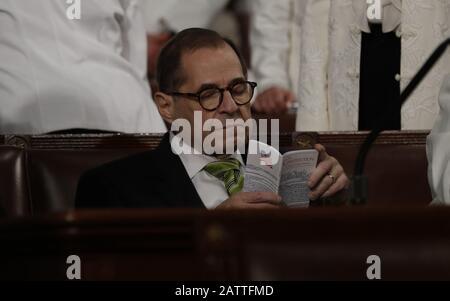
point(198, 71)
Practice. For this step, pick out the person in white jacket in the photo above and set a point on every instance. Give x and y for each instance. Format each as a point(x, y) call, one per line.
point(438, 150)
point(314, 48)
point(279, 30)
point(60, 73)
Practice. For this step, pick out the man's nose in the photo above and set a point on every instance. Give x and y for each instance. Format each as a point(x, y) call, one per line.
point(228, 104)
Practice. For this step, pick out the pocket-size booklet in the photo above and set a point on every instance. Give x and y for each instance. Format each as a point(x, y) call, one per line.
point(267, 170)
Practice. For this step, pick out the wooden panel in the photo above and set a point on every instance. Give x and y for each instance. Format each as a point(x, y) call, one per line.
point(396, 166)
point(314, 244)
point(93, 141)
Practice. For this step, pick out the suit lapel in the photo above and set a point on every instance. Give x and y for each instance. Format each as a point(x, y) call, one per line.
point(180, 190)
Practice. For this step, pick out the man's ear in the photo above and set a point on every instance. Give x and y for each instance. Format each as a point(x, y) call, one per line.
point(166, 106)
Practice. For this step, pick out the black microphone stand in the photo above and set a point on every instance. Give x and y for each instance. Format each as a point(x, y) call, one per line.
point(359, 180)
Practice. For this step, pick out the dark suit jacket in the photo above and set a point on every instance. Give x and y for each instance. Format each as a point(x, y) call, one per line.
point(154, 179)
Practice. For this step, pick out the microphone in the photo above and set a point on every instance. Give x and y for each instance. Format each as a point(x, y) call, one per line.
point(359, 181)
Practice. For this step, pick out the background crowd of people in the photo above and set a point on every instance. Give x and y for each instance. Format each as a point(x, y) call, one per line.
point(325, 60)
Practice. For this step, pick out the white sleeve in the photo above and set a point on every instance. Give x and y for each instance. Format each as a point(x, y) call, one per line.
point(312, 113)
point(177, 15)
point(438, 150)
point(154, 12)
point(134, 37)
point(269, 37)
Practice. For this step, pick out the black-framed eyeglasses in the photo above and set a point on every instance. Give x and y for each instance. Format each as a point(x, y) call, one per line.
point(211, 98)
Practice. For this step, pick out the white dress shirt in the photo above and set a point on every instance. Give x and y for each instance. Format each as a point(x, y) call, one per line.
point(438, 150)
point(57, 73)
point(211, 190)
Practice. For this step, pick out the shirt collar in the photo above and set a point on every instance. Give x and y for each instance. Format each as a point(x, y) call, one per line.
point(194, 163)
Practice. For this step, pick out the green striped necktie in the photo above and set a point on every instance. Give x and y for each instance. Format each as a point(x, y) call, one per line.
point(229, 172)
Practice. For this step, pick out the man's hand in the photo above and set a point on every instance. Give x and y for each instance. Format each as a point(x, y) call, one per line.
point(252, 200)
point(274, 100)
point(328, 178)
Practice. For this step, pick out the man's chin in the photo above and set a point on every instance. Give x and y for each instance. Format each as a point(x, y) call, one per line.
point(235, 143)
point(223, 144)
